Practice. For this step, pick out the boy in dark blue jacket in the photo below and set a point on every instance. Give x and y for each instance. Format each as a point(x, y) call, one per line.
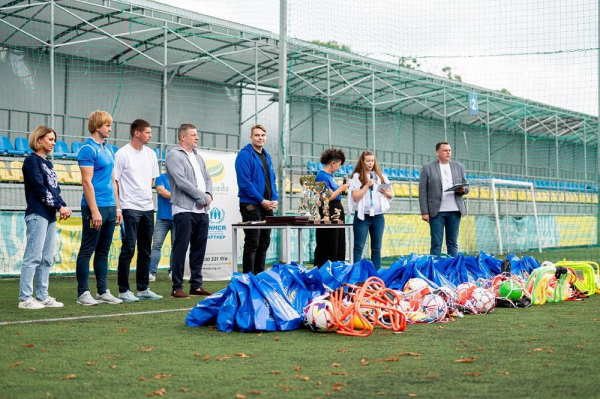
point(257, 190)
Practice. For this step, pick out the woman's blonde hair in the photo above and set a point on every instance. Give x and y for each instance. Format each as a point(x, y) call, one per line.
point(37, 134)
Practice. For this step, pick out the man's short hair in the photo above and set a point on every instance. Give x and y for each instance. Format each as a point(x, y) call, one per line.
point(138, 125)
point(183, 128)
point(261, 127)
point(37, 134)
point(97, 119)
point(438, 145)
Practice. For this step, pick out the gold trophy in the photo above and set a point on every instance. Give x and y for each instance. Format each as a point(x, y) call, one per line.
point(318, 188)
point(306, 182)
point(326, 194)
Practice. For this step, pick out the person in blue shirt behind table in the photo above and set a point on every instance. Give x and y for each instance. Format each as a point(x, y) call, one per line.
point(42, 194)
point(100, 211)
point(164, 224)
point(331, 243)
point(370, 201)
point(257, 191)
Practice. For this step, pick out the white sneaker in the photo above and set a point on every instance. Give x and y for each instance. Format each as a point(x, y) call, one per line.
point(52, 303)
point(128, 296)
point(86, 299)
point(170, 276)
point(107, 297)
point(30, 303)
point(147, 294)
point(151, 277)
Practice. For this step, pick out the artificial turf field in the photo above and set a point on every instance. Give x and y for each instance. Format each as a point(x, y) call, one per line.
point(550, 351)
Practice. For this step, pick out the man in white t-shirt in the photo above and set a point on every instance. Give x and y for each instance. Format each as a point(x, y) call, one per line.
point(440, 208)
point(191, 195)
point(136, 167)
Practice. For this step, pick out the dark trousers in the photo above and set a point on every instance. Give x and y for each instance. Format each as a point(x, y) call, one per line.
point(256, 242)
point(331, 243)
point(191, 229)
point(95, 242)
point(136, 227)
point(449, 221)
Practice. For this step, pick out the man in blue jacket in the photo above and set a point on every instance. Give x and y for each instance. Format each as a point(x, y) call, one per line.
point(258, 196)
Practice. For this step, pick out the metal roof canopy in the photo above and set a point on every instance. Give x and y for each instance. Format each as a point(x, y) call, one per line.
point(149, 35)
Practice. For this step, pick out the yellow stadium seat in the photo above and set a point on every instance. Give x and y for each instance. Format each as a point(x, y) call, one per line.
point(542, 196)
point(522, 195)
point(16, 170)
point(75, 173)
point(61, 173)
point(484, 193)
point(594, 198)
point(401, 190)
point(473, 193)
point(414, 190)
point(5, 175)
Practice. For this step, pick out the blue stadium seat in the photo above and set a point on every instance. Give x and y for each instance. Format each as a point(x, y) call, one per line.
point(350, 170)
point(416, 175)
point(402, 174)
point(113, 148)
point(321, 166)
point(393, 174)
point(343, 171)
point(468, 176)
point(311, 167)
point(7, 148)
point(582, 188)
point(22, 144)
point(386, 171)
point(61, 150)
point(157, 152)
point(75, 147)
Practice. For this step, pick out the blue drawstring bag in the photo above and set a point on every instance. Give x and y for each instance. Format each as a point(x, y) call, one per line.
point(286, 317)
point(205, 312)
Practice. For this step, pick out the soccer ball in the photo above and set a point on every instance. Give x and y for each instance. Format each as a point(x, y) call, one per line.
point(483, 300)
point(464, 292)
point(318, 316)
point(434, 306)
point(415, 284)
point(510, 290)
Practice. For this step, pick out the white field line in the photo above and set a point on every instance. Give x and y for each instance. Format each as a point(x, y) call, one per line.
point(10, 323)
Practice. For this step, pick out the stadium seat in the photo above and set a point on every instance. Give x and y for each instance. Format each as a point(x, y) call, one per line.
point(416, 175)
point(113, 148)
point(62, 173)
point(414, 190)
point(343, 171)
point(321, 166)
point(311, 167)
point(61, 150)
point(75, 173)
point(75, 147)
point(386, 171)
point(15, 168)
point(5, 175)
point(402, 174)
point(350, 169)
point(7, 148)
point(393, 174)
point(22, 144)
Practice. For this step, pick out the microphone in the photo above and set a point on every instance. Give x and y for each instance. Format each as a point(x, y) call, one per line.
point(372, 177)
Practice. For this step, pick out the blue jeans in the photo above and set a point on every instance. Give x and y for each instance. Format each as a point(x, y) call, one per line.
point(161, 229)
point(374, 226)
point(38, 257)
point(137, 228)
point(451, 222)
point(95, 242)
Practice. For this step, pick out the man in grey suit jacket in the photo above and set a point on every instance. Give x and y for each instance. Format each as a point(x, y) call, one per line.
point(191, 195)
point(441, 209)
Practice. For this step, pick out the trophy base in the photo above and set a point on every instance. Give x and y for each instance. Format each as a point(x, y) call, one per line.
point(339, 222)
point(326, 221)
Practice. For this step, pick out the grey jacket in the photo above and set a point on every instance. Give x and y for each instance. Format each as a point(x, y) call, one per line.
point(430, 187)
point(184, 192)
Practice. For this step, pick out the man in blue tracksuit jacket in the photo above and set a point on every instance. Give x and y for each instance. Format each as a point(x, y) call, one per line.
point(258, 196)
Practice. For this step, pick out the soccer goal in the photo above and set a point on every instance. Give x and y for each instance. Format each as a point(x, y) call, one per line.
point(512, 228)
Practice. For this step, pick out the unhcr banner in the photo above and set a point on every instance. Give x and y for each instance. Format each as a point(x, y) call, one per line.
point(218, 262)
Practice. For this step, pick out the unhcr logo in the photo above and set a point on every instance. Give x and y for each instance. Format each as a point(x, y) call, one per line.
point(216, 215)
point(215, 170)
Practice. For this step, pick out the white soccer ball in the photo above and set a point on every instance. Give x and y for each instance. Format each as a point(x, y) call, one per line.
point(483, 300)
point(415, 284)
point(434, 306)
point(318, 316)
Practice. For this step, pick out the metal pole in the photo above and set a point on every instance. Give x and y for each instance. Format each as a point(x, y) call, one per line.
point(256, 83)
point(525, 140)
point(282, 106)
point(328, 102)
point(52, 88)
point(445, 127)
point(373, 109)
point(556, 147)
point(498, 230)
point(488, 137)
point(584, 153)
point(165, 137)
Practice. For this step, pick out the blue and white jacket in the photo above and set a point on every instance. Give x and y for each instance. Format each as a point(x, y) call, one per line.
point(251, 176)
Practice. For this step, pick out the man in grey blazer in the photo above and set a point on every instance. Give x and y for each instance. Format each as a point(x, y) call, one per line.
point(191, 195)
point(442, 209)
